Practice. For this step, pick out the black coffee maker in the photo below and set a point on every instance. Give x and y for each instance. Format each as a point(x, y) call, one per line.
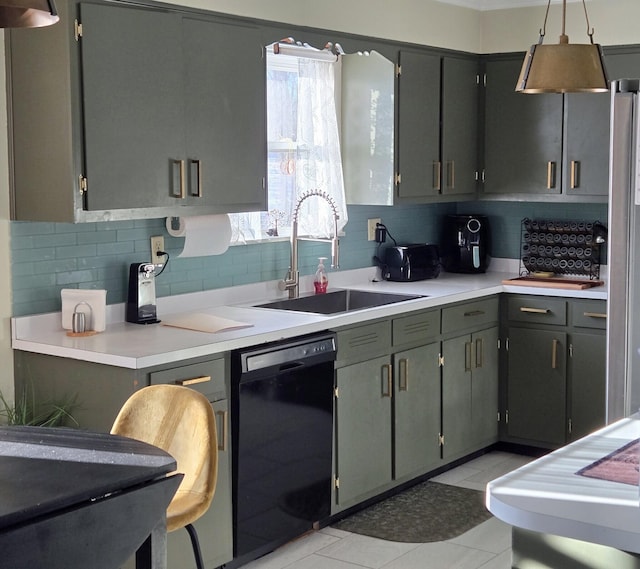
point(465, 243)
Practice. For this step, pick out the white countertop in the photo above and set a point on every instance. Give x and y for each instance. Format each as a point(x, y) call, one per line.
point(137, 346)
point(548, 496)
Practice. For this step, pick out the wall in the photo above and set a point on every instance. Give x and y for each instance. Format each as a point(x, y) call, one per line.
point(418, 21)
point(6, 371)
point(615, 23)
point(50, 256)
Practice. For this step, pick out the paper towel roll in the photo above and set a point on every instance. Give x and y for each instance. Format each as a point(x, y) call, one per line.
point(204, 234)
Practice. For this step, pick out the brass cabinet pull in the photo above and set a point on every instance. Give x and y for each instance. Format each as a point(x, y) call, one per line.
point(554, 354)
point(222, 431)
point(437, 175)
point(534, 310)
point(198, 165)
point(595, 315)
point(551, 175)
point(387, 368)
point(451, 174)
point(403, 380)
point(467, 356)
point(474, 313)
point(194, 380)
point(182, 193)
point(479, 352)
point(575, 174)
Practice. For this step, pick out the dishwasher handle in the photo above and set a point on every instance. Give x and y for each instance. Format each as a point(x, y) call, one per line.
point(290, 365)
point(283, 356)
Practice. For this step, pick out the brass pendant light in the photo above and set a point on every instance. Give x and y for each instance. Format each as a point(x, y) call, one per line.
point(564, 67)
point(27, 13)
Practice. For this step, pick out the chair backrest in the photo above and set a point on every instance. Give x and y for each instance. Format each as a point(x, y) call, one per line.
point(180, 421)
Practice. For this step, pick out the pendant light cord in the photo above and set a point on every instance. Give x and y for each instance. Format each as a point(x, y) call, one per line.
point(590, 30)
point(543, 31)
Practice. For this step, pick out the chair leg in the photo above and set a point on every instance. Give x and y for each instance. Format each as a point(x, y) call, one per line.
point(196, 545)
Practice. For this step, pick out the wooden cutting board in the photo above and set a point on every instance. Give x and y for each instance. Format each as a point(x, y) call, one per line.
point(553, 282)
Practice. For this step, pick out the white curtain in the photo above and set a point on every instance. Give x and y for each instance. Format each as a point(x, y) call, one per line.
point(303, 126)
point(318, 159)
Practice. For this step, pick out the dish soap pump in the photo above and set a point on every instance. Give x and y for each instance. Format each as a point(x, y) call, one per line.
point(320, 281)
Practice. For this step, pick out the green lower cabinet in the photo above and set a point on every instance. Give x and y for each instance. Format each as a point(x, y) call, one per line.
point(456, 395)
point(469, 392)
point(363, 429)
point(484, 387)
point(536, 386)
point(587, 395)
point(416, 410)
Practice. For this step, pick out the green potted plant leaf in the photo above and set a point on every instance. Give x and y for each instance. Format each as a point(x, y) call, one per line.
point(26, 411)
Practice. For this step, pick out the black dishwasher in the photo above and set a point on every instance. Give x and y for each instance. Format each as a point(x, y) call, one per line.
point(282, 422)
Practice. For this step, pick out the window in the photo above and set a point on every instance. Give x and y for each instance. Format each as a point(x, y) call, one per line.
point(303, 150)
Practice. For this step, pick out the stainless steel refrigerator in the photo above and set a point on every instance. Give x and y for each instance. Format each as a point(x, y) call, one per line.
point(623, 322)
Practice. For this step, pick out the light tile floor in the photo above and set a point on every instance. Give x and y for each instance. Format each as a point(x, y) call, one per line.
point(487, 546)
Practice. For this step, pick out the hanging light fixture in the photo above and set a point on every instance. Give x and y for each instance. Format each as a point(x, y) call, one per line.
point(565, 67)
point(27, 13)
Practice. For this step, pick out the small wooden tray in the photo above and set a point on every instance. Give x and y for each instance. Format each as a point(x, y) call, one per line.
point(81, 334)
point(553, 282)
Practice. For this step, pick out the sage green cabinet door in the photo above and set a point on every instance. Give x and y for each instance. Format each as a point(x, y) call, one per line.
point(225, 110)
point(418, 134)
point(523, 135)
point(587, 370)
point(215, 527)
point(587, 118)
point(536, 385)
point(363, 429)
point(166, 123)
point(416, 410)
point(484, 387)
point(459, 126)
point(132, 87)
point(456, 395)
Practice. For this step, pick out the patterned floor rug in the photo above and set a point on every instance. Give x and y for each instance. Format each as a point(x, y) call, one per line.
point(427, 512)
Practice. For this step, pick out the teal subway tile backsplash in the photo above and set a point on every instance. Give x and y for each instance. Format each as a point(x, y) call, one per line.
point(47, 257)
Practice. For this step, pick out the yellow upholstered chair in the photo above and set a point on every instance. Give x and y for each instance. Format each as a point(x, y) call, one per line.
point(180, 421)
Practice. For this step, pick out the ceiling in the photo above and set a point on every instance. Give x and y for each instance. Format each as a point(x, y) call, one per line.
point(499, 4)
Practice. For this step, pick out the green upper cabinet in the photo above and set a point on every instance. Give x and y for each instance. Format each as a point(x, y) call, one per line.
point(225, 107)
point(418, 136)
point(202, 140)
point(587, 119)
point(437, 118)
point(552, 146)
point(459, 126)
point(132, 102)
point(147, 121)
point(523, 135)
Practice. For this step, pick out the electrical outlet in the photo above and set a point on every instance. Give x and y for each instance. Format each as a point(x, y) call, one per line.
point(371, 228)
point(157, 244)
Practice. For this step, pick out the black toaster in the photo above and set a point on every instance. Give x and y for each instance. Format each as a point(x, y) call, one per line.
point(404, 263)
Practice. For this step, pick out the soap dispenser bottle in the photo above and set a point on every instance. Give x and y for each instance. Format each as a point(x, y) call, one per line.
point(320, 281)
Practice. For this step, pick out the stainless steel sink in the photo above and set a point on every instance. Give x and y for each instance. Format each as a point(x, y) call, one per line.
point(337, 301)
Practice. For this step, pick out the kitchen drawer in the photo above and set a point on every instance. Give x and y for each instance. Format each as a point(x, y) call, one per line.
point(415, 327)
point(537, 310)
point(469, 315)
point(589, 314)
point(361, 342)
point(206, 377)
